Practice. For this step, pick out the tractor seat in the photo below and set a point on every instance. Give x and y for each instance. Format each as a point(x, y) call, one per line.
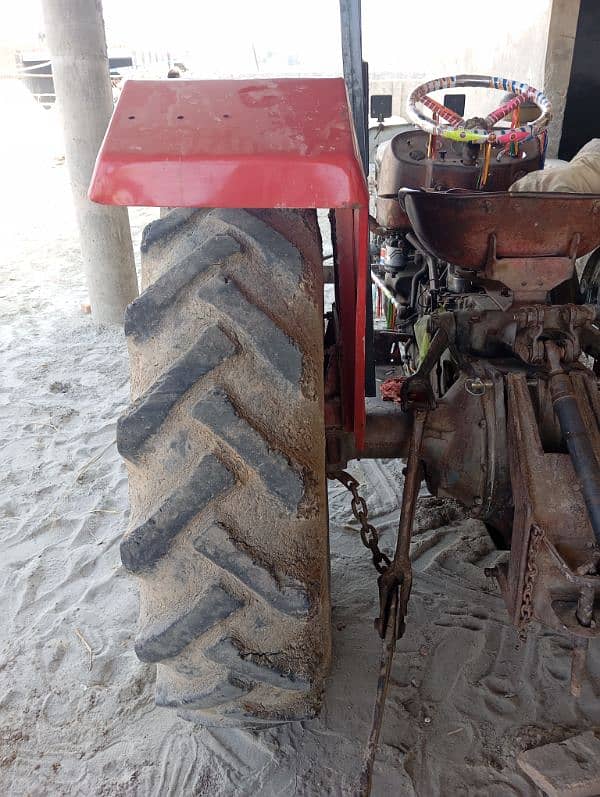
point(457, 226)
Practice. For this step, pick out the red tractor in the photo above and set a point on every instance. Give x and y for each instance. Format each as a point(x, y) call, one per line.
point(244, 400)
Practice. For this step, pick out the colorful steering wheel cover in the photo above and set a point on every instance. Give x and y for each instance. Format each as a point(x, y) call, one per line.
point(455, 129)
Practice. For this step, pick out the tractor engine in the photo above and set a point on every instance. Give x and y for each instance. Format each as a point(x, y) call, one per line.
point(407, 162)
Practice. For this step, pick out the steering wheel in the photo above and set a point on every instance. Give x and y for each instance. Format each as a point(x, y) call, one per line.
point(478, 131)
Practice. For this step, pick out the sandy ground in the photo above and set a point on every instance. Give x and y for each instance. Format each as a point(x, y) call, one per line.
point(76, 708)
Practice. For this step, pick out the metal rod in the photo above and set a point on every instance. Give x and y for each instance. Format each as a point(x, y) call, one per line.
point(352, 62)
point(399, 573)
point(401, 562)
point(388, 646)
point(576, 435)
point(579, 446)
point(393, 603)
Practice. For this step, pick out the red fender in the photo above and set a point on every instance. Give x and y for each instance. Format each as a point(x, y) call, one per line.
point(285, 143)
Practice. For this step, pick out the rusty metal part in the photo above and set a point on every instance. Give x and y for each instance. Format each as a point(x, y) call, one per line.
point(474, 473)
point(416, 392)
point(387, 431)
point(394, 584)
point(370, 539)
point(391, 215)
point(399, 572)
point(576, 434)
point(529, 278)
point(387, 435)
point(534, 323)
point(514, 472)
point(585, 577)
point(547, 498)
point(456, 227)
point(388, 647)
point(403, 163)
point(531, 572)
point(522, 330)
point(368, 533)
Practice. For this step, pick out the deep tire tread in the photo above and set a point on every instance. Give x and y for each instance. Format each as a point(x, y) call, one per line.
point(287, 595)
point(148, 413)
point(211, 630)
point(218, 413)
point(147, 543)
point(143, 315)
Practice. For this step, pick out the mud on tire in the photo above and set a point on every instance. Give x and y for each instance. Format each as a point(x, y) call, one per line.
point(224, 443)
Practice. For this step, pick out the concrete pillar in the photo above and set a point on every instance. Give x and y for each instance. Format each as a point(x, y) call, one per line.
point(559, 56)
point(77, 44)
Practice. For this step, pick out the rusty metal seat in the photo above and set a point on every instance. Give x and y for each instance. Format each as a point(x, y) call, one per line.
point(458, 226)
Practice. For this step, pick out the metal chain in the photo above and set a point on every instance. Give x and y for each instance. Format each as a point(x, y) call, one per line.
point(526, 611)
point(368, 532)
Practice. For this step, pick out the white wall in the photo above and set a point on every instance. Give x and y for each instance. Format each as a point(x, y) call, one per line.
point(408, 43)
point(438, 37)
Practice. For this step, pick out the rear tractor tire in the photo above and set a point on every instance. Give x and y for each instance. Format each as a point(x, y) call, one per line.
point(224, 443)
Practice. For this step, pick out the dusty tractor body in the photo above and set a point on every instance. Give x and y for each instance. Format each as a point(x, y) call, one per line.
point(241, 405)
